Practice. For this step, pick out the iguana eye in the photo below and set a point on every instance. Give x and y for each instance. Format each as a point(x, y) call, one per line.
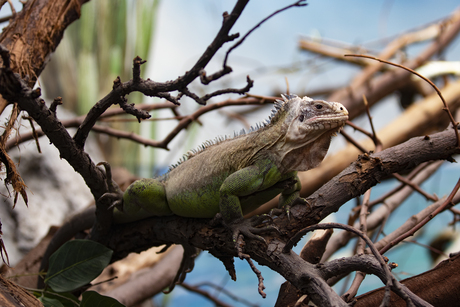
point(301, 118)
point(319, 107)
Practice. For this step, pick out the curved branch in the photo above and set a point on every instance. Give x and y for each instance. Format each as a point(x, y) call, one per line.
point(378, 87)
point(184, 121)
point(157, 89)
point(353, 181)
point(13, 88)
point(385, 274)
point(369, 170)
point(446, 107)
point(298, 3)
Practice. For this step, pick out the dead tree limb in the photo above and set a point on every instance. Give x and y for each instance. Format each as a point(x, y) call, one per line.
point(353, 181)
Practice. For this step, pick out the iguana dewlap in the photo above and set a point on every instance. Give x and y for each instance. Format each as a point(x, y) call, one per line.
point(235, 176)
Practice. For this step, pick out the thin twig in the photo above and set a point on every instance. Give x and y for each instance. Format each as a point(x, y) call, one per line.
point(226, 292)
point(415, 187)
point(359, 277)
point(299, 3)
point(446, 107)
point(205, 294)
point(353, 141)
point(34, 132)
point(377, 143)
point(363, 131)
point(411, 175)
point(411, 232)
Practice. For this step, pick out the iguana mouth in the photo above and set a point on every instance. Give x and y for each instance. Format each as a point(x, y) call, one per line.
point(327, 122)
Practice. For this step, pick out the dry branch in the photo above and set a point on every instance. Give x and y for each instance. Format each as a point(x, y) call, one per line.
point(378, 216)
point(438, 286)
point(376, 88)
point(419, 119)
point(123, 239)
point(353, 181)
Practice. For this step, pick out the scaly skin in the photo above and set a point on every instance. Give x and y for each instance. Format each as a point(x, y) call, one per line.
point(235, 176)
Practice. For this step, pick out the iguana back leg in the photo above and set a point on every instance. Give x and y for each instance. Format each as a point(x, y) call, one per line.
point(142, 199)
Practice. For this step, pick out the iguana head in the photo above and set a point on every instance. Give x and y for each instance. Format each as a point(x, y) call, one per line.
point(308, 119)
point(307, 126)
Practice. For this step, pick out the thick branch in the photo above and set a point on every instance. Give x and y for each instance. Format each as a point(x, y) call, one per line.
point(438, 286)
point(353, 181)
point(34, 33)
point(15, 89)
point(367, 171)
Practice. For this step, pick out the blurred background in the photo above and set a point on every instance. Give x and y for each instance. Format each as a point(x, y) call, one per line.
point(171, 36)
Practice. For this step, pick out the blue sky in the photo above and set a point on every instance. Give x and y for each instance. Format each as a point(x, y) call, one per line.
point(271, 54)
point(185, 28)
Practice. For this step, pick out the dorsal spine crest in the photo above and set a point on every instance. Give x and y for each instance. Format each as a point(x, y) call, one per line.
point(280, 106)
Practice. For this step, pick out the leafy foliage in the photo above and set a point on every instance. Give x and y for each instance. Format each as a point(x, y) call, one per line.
point(92, 298)
point(76, 264)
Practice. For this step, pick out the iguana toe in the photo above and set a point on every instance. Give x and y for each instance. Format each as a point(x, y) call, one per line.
point(115, 198)
point(114, 194)
point(246, 228)
point(279, 211)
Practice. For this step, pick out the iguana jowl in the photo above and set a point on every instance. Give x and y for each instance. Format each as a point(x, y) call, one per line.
point(235, 176)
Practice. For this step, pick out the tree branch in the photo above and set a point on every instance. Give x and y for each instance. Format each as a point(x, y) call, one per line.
point(151, 88)
point(353, 181)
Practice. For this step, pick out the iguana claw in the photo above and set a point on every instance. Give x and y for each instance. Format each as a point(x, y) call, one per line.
point(279, 211)
point(114, 194)
point(247, 228)
point(116, 198)
point(287, 208)
point(259, 219)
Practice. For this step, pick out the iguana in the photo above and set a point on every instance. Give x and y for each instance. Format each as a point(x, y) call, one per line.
point(234, 176)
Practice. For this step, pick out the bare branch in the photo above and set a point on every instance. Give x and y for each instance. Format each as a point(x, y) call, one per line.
point(378, 217)
point(378, 87)
point(446, 107)
point(298, 4)
point(205, 294)
point(447, 203)
point(156, 89)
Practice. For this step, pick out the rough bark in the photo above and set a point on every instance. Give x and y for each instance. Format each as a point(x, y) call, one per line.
point(11, 295)
point(31, 36)
point(35, 32)
point(353, 181)
point(439, 286)
point(123, 239)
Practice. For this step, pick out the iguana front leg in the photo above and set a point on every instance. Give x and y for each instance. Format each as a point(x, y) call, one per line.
point(254, 180)
point(289, 196)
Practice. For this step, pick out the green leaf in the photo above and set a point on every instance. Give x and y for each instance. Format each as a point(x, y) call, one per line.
point(65, 299)
point(94, 299)
point(50, 302)
point(76, 263)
